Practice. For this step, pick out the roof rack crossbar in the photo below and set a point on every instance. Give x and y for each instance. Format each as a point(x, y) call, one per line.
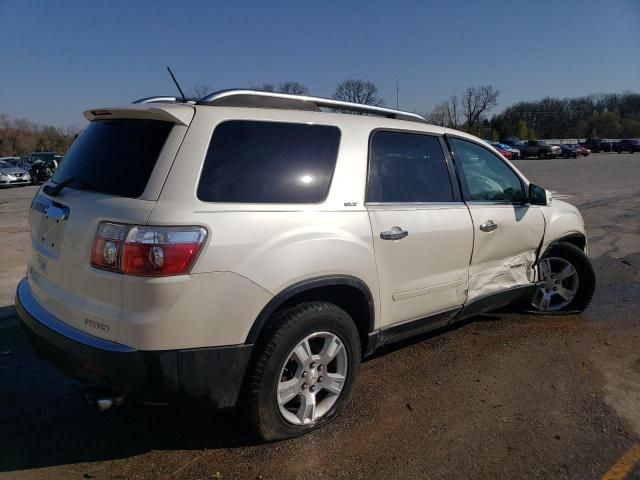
point(225, 97)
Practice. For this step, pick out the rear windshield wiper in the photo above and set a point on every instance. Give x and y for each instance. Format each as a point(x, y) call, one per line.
point(55, 190)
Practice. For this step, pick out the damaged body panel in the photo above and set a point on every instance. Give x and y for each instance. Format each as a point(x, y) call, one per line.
point(504, 256)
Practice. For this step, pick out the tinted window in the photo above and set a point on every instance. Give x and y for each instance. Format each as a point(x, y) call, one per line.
point(407, 167)
point(488, 178)
point(115, 156)
point(269, 162)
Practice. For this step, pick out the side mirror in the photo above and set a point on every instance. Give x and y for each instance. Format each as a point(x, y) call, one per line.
point(538, 195)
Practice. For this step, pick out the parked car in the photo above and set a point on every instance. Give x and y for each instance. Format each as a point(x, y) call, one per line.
point(597, 145)
point(532, 148)
point(259, 263)
point(17, 162)
point(506, 153)
point(628, 145)
point(515, 153)
point(580, 149)
point(11, 175)
point(49, 157)
point(567, 151)
point(42, 170)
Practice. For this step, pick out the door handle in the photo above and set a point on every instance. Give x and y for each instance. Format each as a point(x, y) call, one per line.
point(489, 226)
point(396, 233)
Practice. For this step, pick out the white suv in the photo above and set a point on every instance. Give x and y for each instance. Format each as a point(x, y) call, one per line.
point(249, 249)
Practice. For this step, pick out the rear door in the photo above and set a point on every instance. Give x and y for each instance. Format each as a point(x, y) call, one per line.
point(507, 230)
point(118, 165)
point(422, 231)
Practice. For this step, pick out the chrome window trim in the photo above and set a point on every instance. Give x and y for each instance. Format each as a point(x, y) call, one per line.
point(414, 204)
point(505, 204)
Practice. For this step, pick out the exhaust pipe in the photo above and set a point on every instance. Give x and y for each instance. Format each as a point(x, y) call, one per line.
point(104, 400)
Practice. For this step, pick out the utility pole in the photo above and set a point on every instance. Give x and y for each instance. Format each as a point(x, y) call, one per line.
point(397, 80)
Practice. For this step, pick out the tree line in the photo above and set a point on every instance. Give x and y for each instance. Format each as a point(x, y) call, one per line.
point(19, 136)
point(604, 115)
point(599, 115)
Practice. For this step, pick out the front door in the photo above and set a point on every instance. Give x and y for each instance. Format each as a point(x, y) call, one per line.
point(423, 235)
point(507, 230)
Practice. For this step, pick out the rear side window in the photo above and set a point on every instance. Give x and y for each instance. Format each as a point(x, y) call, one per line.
point(269, 162)
point(115, 157)
point(407, 168)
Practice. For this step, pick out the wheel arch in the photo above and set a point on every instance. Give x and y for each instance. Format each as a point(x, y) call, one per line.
point(576, 238)
point(347, 292)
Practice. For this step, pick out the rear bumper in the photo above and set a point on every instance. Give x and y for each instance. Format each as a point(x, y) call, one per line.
point(212, 375)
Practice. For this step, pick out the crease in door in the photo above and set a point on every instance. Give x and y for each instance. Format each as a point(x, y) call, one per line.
point(433, 289)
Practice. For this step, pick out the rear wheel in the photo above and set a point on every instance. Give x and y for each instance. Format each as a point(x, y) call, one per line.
point(566, 280)
point(304, 371)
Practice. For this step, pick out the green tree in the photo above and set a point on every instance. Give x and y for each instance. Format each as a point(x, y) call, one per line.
point(607, 124)
point(522, 132)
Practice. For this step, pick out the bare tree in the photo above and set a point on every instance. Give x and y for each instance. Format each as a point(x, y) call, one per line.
point(265, 87)
point(200, 90)
point(358, 91)
point(446, 114)
point(477, 100)
point(438, 115)
point(452, 107)
point(293, 88)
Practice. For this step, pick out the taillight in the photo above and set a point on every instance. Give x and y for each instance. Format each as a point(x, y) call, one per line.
point(147, 251)
point(108, 245)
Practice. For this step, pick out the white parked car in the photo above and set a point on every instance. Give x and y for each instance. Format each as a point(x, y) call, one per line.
point(11, 176)
point(556, 151)
point(250, 249)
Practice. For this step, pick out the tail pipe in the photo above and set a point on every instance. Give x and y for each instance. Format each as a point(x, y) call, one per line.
point(104, 399)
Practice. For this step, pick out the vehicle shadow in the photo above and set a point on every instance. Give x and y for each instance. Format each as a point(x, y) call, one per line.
point(44, 420)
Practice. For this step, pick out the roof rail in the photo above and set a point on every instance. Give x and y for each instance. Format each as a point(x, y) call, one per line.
point(257, 98)
point(164, 99)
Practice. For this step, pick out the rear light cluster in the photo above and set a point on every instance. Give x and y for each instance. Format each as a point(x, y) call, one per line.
point(153, 251)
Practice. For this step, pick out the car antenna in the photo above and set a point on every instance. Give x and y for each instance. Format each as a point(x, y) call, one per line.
point(173, 77)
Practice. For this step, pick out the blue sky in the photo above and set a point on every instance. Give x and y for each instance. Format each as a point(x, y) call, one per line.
point(61, 57)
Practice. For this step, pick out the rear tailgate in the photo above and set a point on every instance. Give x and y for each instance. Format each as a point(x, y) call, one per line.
point(122, 161)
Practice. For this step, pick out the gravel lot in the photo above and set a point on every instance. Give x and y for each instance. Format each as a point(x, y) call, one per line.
point(502, 396)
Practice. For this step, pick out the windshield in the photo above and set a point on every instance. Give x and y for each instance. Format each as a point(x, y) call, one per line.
point(4, 164)
point(43, 156)
point(115, 156)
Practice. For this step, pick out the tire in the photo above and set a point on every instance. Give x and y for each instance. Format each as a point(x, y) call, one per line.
point(573, 292)
point(542, 154)
point(276, 358)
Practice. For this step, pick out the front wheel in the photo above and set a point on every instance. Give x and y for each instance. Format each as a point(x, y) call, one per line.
point(542, 154)
point(304, 371)
point(566, 280)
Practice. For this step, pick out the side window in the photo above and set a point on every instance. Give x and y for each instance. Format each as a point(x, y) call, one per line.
point(269, 162)
point(407, 167)
point(488, 177)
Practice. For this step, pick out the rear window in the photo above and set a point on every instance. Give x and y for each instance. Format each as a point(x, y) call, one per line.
point(115, 156)
point(269, 162)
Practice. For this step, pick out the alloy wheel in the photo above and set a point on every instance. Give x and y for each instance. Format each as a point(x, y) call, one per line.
point(558, 284)
point(312, 378)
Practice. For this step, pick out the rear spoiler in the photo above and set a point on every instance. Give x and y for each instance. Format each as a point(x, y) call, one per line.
point(181, 114)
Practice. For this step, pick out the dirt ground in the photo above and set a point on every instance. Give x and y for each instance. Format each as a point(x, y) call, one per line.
point(504, 395)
